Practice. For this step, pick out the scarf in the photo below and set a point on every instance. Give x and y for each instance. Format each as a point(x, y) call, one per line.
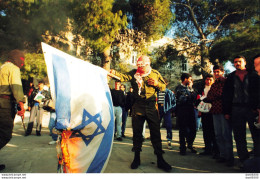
point(139, 78)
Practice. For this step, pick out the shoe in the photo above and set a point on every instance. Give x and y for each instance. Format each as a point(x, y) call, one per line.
point(2, 167)
point(205, 153)
point(119, 139)
point(136, 162)
point(162, 164)
point(123, 135)
point(192, 149)
point(26, 134)
point(169, 145)
point(38, 134)
point(52, 142)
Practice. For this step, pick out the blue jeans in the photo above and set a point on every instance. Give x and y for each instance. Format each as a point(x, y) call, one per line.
point(52, 125)
point(118, 120)
point(198, 119)
point(223, 133)
point(168, 124)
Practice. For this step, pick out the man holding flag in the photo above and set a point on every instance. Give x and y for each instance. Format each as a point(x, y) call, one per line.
point(145, 82)
point(84, 111)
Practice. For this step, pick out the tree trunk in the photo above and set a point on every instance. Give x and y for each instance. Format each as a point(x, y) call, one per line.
point(106, 59)
point(204, 56)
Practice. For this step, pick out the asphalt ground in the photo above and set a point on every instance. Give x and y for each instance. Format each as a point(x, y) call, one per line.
point(32, 155)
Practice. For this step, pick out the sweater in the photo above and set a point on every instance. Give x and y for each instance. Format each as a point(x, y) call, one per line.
point(215, 96)
point(252, 90)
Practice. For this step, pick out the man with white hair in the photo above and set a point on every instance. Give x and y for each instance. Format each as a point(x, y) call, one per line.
point(145, 82)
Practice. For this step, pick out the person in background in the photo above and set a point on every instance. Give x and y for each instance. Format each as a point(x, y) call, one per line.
point(118, 99)
point(253, 165)
point(145, 82)
point(185, 98)
point(207, 120)
point(124, 111)
point(130, 101)
point(36, 102)
point(31, 88)
point(222, 127)
point(166, 107)
point(11, 94)
point(240, 99)
point(257, 69)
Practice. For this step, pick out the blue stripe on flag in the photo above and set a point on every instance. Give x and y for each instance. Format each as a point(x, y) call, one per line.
point(62, 91)
point(105, 146)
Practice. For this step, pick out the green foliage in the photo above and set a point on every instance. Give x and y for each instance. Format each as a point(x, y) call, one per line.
point(96, 22)
point(243, 40)
point(166, 57)
point(24, 22)
point(200, 18)
point(153, 17)
point(34, 66)
point(205, 21)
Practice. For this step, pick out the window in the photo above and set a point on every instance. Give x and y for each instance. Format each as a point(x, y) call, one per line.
point(184, 65)
point(134, 58)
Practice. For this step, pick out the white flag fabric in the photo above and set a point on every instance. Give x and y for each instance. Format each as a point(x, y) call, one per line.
point(83, 105)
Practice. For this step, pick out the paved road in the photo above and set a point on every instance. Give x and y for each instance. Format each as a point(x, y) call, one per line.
point(32, 154)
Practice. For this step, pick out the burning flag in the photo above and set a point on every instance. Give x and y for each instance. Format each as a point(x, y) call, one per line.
point(84, 111)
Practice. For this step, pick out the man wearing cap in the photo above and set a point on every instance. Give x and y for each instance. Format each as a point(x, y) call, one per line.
point(145, 82)
point(11, 93)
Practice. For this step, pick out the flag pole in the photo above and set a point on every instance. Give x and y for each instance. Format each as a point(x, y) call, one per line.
point(114, 76)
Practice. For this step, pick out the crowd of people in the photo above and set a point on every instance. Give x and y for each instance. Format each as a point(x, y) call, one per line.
point(225, 104)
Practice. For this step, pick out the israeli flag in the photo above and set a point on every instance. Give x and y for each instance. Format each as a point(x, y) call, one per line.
point(83, 103)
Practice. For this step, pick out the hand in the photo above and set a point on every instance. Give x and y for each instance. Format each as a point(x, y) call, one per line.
point(152, 82)
point(227, 116)
point(112, 71)
point(39, 100)
point(21, 111)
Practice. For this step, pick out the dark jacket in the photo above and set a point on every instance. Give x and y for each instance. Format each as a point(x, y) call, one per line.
point(184, 97)
point(31, 100)
point(228, 92)
point(118, 97)
point(130, 99)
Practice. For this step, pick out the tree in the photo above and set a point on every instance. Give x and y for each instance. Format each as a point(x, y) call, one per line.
point(168, 60)
point(244, 40)
point(148, 20)
point(153, 17)
point(24, 22)
point(34, 67)
point(98, 24)
point(204, 21)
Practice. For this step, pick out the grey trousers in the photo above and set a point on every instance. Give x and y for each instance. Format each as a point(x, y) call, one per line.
point(36, 112)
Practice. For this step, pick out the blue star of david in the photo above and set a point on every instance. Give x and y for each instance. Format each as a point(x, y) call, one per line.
point(97, 119)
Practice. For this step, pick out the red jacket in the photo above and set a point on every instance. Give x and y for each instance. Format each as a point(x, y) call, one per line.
point(215, 96)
